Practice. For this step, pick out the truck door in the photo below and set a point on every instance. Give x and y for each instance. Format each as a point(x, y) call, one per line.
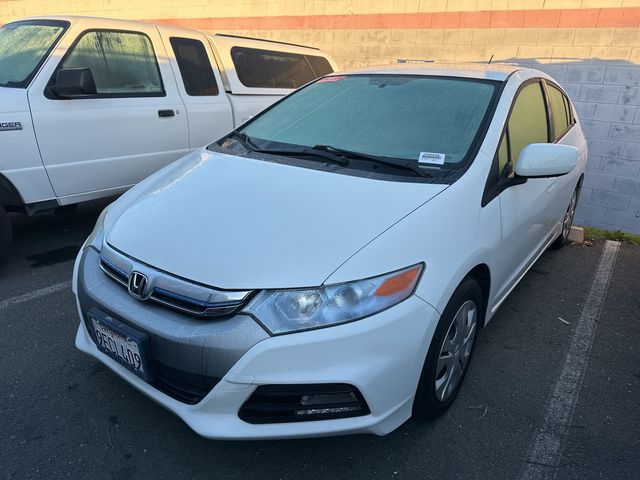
point(199, 84)
point(135, 124)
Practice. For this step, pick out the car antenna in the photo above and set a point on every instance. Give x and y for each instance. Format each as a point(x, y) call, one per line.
point(489, 62)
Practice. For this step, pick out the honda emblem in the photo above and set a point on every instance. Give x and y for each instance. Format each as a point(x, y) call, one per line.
point(137, 285)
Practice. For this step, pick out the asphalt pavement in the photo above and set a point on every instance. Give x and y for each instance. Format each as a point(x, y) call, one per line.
point(64, 415)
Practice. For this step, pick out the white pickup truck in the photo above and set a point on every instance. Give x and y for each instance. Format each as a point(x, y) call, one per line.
point(90, 106)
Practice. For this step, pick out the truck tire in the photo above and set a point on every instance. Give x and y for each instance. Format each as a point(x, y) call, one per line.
point(6, 234)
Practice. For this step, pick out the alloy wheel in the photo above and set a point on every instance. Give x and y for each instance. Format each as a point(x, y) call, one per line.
point(567, 222)
point(456, 350)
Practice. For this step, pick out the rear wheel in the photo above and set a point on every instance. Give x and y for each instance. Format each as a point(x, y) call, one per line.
point(450, 352)
point(6, 234)
point(567, 222)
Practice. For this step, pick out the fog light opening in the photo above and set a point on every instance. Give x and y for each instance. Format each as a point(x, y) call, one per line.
point(303, 403)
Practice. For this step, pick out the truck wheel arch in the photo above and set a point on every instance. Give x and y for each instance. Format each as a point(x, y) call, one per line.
point(10, 198)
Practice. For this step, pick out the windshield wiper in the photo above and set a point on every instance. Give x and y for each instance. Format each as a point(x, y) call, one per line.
point(248, 142)
point(244, 139)
point(336, 155)
point(312, 152)
point(408, 165)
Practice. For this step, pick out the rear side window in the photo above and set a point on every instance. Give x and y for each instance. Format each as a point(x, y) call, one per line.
point(559, 113)
point(567, 105)
point(195, 67)
point(270, 69)
point(122, 63)
point(528, 121)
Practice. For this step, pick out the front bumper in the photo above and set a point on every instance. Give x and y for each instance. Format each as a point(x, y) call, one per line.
point(381, 355)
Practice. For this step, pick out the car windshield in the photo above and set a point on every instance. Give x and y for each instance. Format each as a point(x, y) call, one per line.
point(23, 48)
point(430, 120)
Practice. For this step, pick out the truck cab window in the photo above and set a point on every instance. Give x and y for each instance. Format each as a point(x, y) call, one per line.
point(122, 63)
point(195, 67)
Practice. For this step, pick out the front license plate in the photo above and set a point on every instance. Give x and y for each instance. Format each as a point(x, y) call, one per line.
point(120, 345)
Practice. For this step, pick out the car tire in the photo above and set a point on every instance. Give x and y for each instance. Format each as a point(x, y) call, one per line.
point(450, 353)
point(6, 234)
point(567, 221)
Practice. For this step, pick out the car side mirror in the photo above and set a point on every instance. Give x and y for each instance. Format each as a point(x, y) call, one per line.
point(546, 160)
point(74, 83)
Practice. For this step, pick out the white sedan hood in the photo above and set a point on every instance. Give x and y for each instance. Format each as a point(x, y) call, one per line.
point(238, 223)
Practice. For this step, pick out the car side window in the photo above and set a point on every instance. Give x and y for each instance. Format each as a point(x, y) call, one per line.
point(122, 63)
point(527, 123)
point(559, 113)
point(567, 105)
point(503, 153)
point(528, 120)
point(271, 69)
point(195, 67)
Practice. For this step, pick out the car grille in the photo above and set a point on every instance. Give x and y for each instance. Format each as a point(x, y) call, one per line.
point(183, 386)
point(186, 387)
point(174, 300)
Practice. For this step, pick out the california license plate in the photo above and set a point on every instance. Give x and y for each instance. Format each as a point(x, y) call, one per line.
point(122, 343)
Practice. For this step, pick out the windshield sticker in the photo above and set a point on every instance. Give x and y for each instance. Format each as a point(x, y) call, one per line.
point(334, 78)
point(431, 158)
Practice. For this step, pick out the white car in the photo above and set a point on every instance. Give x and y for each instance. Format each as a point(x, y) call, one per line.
point(325, 268)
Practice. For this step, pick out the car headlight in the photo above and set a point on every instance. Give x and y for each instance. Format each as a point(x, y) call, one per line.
point(286, 311)
point(96, 237)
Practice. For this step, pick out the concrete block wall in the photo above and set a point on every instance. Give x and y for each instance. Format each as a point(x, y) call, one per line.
point(611, 113)
point(592, 47)
point(606, 94)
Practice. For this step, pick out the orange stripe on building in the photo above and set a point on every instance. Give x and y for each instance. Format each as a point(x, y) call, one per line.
point(586, 17)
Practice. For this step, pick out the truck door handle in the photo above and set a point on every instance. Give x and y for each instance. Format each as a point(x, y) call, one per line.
point(166, 113)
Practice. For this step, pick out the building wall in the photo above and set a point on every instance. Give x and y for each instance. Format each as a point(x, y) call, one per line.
point(592, 47)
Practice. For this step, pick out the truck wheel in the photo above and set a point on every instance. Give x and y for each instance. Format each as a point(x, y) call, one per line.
point(6, 234)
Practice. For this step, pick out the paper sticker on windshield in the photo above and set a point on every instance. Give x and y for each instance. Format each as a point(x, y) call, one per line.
point(334, 78)
point(431, 158)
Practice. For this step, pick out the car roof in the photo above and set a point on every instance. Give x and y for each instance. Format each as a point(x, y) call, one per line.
point(494, 71)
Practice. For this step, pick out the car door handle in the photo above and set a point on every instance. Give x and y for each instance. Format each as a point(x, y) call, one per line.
point(166, 113)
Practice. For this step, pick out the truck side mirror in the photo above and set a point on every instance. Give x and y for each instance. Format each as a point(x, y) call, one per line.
point(74, 83)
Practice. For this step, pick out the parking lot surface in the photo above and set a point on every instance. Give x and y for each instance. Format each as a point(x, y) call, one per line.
point(64, 415)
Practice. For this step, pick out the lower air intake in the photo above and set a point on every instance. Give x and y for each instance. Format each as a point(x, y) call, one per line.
point(303, 403)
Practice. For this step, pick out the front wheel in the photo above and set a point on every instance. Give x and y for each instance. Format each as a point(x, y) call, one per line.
point(6, 234)
point(450, 352)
